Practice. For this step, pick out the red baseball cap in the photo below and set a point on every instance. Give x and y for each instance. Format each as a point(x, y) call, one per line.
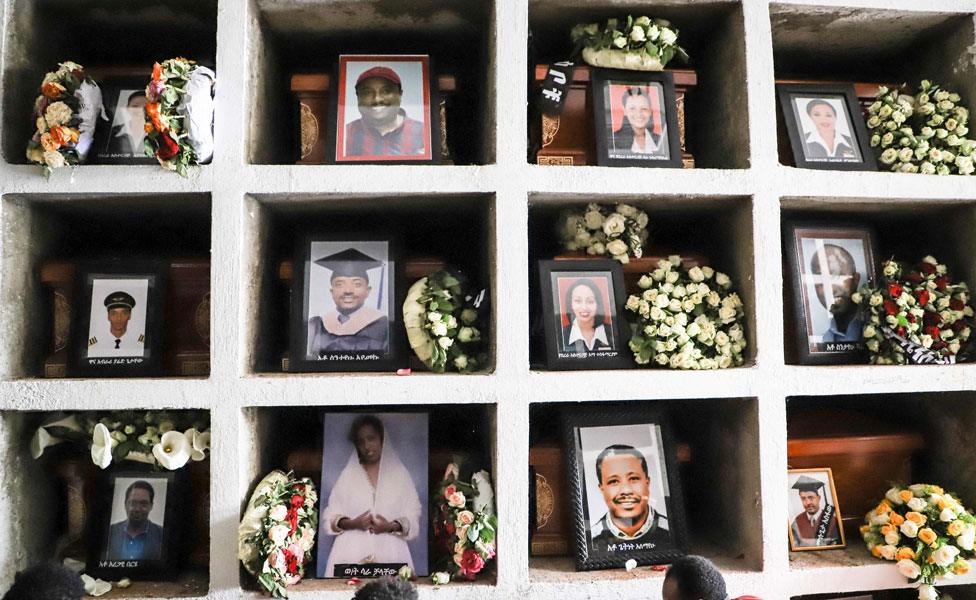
point(381, 72)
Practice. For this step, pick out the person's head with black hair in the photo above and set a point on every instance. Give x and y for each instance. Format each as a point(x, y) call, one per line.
point(694, 578)
point(387, 588)
point(50, 581)
point(366, 434)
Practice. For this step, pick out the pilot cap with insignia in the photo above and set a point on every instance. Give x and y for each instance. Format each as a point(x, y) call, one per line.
point(808, 484)
point(349, 263)
point(119, 300)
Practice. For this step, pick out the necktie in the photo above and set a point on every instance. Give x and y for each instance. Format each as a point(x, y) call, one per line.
point(117, 342)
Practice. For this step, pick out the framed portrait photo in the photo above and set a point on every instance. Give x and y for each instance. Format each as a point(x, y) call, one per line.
point(636, 119)
point(119, 329)
point(826, 127)
point(137, 525)
point(827, 264)
point(385, 110)
point(119, 133)
point(624, 488)
point(583, 303)
point(346, 305)
point(373, 506)
point(815, 521)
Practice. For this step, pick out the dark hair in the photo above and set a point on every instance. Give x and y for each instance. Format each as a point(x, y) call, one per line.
point(135, 94)
point(818, 102)
point(697, 578)
point(143, 485)
point(600, 317)
point(841, 254)
point(50, 581)
point(388, 588)
point(363, 421)
point(617, 450)
point(631, 92)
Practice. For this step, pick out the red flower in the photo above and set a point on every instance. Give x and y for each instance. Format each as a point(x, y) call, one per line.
point(922, 296)
point(927, 268)
point(914, 277)
point(471, 562)
point(942, 282)
point(449, 528)
point(957, 304)
point(167, 147)
point(297, 501)
point(901, 331)
point(894, 289)
point(911, 318)
point(291, 560)
point(933, 331)
point(959, 325)
point(939, 345)
point(292, 518)
point(890, 307)
point(931, 319)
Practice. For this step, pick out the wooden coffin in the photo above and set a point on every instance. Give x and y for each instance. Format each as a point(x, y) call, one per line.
point(866, 456)
point(186, 348)
point(638, 267)
point(865, 92)
point(569, 139)
point(311, 97)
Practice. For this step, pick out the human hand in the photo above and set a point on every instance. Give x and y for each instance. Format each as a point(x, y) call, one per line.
point(382, 525)
point(362, 522)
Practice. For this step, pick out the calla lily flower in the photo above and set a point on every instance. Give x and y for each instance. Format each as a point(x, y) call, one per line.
point(172, 451)
point(102, 443)
point(199, 443)
point(95, 587)
point(43, 439)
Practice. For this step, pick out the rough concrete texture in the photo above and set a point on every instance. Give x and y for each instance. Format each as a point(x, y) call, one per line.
point(743, 411)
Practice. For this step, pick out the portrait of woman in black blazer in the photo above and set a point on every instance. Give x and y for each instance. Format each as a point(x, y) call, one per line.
point(589, 328)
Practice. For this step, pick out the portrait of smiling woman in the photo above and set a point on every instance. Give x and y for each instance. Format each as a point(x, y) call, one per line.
point(824, 140)
point(587, 317)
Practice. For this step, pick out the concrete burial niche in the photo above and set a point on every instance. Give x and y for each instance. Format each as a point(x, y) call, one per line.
point(459, 229)
point(300, 37)
point(719, 228)
point(39, 228)
point(719, 474)
point(292, 436)
point(94, 33)
point(716, 114)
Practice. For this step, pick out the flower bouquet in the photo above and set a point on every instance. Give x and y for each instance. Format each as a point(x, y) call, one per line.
point(687, 318)
point(620, 232)
point(643, 44)
point(277, 533)
point(464, 524)
point(915, 315)
point(179, 113)
point(149, 437)
point(64, 115)
point(443, 323)
point(926, 530)
point(924, 133)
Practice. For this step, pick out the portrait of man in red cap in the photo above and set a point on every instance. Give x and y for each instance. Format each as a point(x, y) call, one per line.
point(386, 128)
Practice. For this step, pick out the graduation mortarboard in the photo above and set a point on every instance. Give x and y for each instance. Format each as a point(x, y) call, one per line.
point(349, 263)
point(808, 484)
point(119, 300)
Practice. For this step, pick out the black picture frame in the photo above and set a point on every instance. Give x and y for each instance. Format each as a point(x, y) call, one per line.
point(809, 350)
point(645, 548)
point(841, 95)
point(604, 106)
point(111, 563)
point(107, 147)
point(352, 360)
point(559, 354)
point(335, 132)
point(88, 356)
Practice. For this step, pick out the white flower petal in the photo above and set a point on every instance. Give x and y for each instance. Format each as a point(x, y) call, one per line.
point(172, 451)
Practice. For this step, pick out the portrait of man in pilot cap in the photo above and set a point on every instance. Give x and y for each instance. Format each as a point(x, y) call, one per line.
point(816, 524)
point(117, 327)
point(348, 299)
point(384, 108)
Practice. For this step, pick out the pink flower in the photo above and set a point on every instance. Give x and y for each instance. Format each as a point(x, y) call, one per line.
point(278, 534)
point(154, 90)
point(465, 517)
point(456, 500)
point(471, 563)
point(449, 491)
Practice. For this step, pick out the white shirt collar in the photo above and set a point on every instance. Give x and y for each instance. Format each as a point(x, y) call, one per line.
point(814, 136)
point(651, 518)
point(650, 146)
point(599, 335)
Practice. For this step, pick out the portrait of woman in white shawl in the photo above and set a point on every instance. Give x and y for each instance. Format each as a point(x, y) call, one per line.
point(374, 474)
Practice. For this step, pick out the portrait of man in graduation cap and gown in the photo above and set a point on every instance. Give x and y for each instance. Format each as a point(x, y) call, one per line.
point(354, 324)
point(819, 523)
